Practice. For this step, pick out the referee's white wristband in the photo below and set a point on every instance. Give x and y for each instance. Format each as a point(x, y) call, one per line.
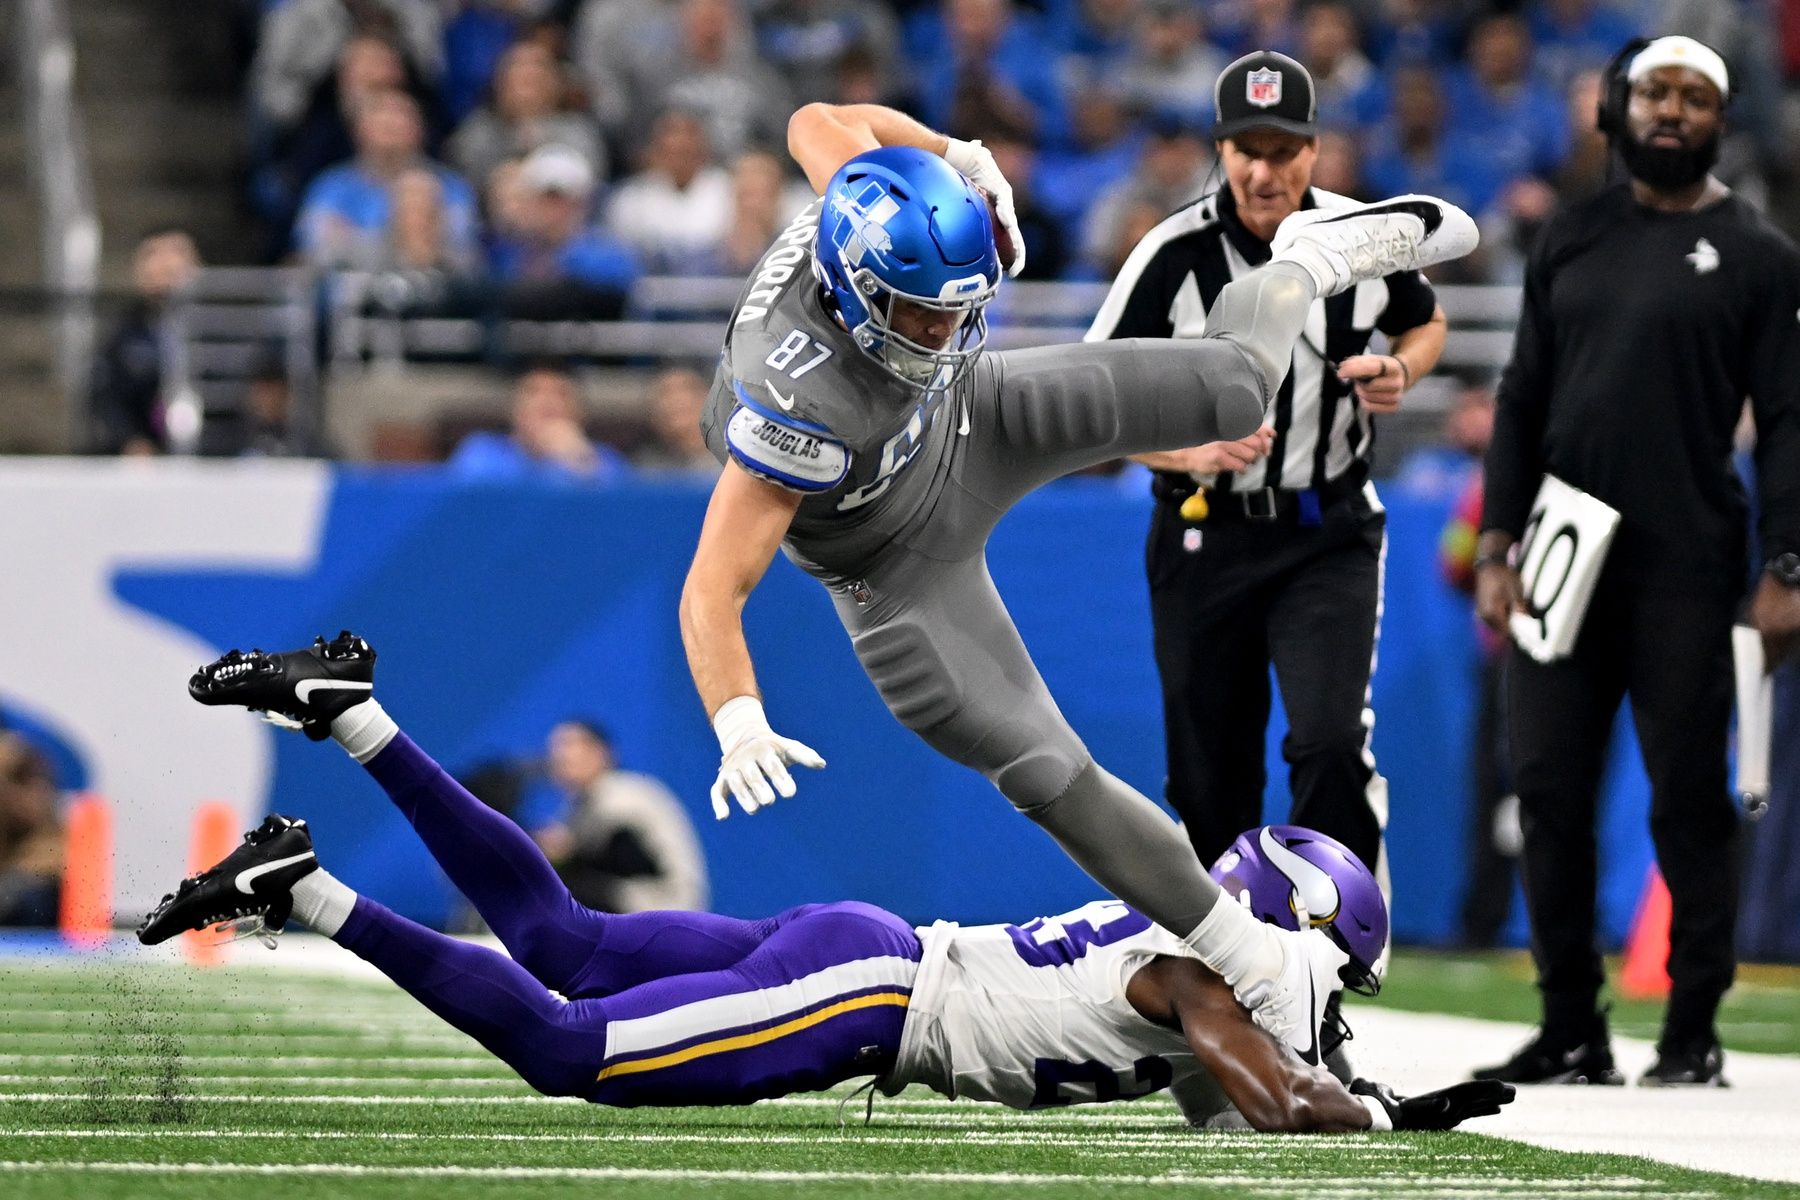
point(738, 720)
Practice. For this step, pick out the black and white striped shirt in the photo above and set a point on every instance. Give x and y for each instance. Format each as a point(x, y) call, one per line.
point(1168, 285)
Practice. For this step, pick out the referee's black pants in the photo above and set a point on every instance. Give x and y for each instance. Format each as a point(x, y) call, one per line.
point(1671, 653)
point(1246, 594)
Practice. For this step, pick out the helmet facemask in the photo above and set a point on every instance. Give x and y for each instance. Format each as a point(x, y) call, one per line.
point(906, 254)
point(912, 361)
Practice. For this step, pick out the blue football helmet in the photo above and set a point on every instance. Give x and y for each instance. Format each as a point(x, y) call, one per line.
point(902, 224)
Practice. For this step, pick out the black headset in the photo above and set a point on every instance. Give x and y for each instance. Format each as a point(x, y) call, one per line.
point(1615, 89)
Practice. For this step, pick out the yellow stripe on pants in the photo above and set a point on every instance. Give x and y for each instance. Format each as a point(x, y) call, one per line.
point(740, 1041)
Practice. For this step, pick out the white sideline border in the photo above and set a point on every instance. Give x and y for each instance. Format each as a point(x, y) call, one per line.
point(1746, 1129)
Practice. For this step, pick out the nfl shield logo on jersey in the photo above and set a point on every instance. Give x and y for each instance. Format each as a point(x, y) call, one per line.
point(1263, 88)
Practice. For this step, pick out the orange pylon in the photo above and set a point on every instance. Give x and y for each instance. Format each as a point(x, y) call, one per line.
point(215, 835)
point(1645, 973)
point(86, 917)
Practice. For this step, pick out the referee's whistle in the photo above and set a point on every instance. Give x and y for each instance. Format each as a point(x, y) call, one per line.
point(1195, 507)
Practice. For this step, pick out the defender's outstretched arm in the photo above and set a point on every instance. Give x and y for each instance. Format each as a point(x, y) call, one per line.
point(1275, 1091)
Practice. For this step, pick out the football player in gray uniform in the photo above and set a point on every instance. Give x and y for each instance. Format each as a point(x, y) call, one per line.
point(864, 433)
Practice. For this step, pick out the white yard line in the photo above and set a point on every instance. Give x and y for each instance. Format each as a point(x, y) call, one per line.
point(168, 1027)
point(279, 1062)
point(1252, 1184)
point(1747, 1129)
point(1135, 1145)
point(285, 1080)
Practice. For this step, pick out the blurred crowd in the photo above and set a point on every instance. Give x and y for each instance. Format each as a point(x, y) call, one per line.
point(576, 144)
point(493, 159)
point(31, 834)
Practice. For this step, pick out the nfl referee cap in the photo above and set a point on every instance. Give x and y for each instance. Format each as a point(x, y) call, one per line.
point(1265, 90)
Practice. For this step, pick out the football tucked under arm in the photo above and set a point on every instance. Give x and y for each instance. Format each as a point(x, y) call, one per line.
point(1010, 248)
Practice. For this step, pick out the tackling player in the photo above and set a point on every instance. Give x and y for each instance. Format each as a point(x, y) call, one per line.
point(680, 1009)
point(864, 433)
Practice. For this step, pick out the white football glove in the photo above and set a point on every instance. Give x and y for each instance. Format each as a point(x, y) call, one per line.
point(977, 162)
point(753, 758)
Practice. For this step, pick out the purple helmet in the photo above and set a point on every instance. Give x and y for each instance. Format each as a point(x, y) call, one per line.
point(1285, 870)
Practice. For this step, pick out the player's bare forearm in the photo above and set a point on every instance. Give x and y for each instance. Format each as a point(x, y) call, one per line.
point(1275, 1092)
point(718, 656)
point(823, 137)
point(745, 522)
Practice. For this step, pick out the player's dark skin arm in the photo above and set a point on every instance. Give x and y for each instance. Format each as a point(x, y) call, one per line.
point(1275, 1092)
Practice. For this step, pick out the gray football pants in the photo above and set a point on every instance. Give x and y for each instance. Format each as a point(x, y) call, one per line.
point(937, 642)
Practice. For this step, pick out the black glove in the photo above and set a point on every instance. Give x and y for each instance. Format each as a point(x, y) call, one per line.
point(1445, 1108)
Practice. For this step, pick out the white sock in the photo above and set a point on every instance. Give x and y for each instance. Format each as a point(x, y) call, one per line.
point(322, 903)
point(1235, 944)
point(1301, 262)
point(364, 729)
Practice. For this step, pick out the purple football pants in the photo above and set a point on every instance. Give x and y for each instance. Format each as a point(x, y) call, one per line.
point(667, 1008)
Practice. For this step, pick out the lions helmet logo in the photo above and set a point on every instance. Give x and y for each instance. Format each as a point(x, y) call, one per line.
point(1263, 88)
point(866, 215)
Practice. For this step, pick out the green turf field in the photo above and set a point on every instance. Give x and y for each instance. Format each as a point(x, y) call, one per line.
point(248, 1081)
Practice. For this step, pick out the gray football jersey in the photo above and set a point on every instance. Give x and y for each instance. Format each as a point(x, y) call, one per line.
point(797, 403)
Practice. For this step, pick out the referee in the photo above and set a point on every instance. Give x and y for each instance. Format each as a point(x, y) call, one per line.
point(1651, 311)
point(1269, 550)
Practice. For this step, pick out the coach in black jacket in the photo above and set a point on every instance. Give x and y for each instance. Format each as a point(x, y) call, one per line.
point(1269, 549)
point(1651, 311)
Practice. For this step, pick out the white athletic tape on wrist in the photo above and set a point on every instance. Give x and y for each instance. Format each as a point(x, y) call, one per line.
point(737, 721)
point(1379, 1120)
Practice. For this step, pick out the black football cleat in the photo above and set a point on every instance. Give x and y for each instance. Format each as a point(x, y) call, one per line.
point(1554, 1057)
point(1687, 1064)
point(301, 689)
point(255, 881)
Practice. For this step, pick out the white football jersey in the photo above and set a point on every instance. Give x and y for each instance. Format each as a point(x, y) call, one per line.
point(1035, 1015)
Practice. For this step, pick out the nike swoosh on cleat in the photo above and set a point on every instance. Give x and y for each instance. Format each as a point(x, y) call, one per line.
point(787, 405)
point(249, 875)
point(1430, 214)
point(306, 687)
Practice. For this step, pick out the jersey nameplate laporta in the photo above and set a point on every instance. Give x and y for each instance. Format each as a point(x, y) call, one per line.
point(784, 449)
point(779, 266)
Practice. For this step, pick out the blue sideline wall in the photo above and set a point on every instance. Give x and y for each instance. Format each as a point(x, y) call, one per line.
point(498, 610)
